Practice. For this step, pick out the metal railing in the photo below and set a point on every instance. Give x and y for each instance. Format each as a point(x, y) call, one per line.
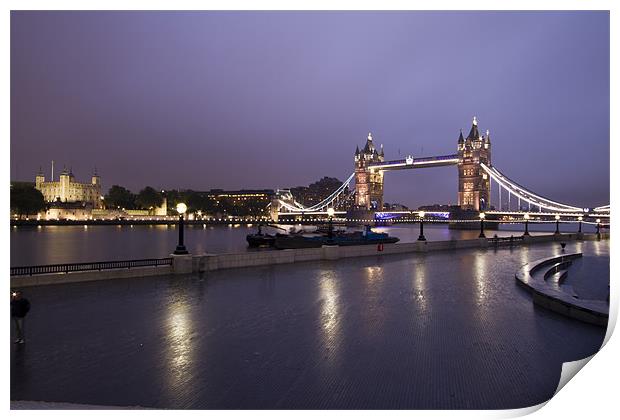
point(90, 266)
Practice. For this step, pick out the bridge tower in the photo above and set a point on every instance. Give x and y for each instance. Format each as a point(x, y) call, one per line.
point(368, 183)
point(474, 184)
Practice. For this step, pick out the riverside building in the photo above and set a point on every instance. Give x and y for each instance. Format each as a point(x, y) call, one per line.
point(68, 190)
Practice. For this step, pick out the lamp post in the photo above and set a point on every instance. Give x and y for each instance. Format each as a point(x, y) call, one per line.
point(557, 224)
point(580, 218)
point(526, 216)
point(330, 231)
point(421, 216)
point(598, 227)
point(482, 215)
point(181, 250)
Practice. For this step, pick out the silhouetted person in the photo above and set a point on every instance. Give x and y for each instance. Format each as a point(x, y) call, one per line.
point(19, 308)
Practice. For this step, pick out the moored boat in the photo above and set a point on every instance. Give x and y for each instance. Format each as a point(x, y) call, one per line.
point(367, 237)
point(259, 239)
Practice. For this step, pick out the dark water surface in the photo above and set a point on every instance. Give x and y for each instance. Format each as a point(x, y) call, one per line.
point(68, 244)
point(439, 330)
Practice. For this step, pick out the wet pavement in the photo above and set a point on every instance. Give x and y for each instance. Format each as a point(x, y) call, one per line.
point(421, 331)
point(589, 277)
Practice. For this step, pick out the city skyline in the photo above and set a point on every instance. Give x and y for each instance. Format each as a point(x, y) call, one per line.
point(252, 108)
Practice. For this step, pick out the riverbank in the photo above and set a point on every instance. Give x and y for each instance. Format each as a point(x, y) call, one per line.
point(369, 333)
point(202, 263)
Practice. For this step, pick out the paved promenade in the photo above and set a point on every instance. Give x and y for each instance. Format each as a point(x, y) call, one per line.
point(439, 330)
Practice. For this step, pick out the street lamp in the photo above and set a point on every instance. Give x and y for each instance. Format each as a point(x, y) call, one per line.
point(181, 250)
point(330, 214)
point(598, 227)
point(557, 224)
point(421, 216)
point(580, 218)
point(526, 216)
point(482, 215)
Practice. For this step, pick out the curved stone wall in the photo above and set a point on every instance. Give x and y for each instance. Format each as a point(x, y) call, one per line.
point(532, 276)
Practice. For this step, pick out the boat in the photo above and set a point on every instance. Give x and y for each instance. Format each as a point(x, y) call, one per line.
point(256, 240)
point(261, 239)
point(366, 237)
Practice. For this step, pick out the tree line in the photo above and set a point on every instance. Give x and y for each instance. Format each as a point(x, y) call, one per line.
point(208, 203)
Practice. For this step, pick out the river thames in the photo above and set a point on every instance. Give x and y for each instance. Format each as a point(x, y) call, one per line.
point(31, 245)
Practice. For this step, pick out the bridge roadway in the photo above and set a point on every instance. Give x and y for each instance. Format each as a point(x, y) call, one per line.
point(410, 162)
point(440, 330)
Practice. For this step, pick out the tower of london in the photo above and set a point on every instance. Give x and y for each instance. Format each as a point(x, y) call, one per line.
point(68, 190)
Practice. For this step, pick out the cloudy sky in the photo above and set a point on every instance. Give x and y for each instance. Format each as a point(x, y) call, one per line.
point(278, 99)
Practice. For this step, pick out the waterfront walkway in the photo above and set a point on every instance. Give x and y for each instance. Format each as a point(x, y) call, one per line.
point(439, 330)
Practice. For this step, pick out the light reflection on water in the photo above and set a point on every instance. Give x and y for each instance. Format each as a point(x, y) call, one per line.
point(480, 278)
point(354, 322)
point(374, 307)
point(419, 283)
point(65, 244)
point(330, 316)
point(178, 347)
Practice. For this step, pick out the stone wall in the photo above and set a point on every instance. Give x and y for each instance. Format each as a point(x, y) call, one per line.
point(185, 264)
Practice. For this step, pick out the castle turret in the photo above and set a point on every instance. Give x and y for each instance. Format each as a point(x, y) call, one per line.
point(474, 184)
point(39, 179)
point(64, 180)
point(95, 180)
point(368, 182)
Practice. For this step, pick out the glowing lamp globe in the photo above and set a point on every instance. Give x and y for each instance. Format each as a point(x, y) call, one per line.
point(181, 208)
point(421, 214)
point(526, 216)
point(598, 220)
point(557, 217)
point(482, 215)
point(331, 212)
point(580, 218)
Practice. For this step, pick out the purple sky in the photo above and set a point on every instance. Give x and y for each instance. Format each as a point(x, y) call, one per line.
point(277, 99)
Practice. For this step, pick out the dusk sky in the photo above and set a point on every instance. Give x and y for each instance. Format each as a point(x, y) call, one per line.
point(237, 100)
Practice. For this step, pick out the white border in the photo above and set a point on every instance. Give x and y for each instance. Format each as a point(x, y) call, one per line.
point(592, 395)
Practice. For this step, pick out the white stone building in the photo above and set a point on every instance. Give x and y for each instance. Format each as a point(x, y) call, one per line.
point(67, 190)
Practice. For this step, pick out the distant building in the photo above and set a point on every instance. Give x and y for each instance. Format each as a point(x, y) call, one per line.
point(233, 203)
point(67, 190)
point(69, 211)
point(161, 210)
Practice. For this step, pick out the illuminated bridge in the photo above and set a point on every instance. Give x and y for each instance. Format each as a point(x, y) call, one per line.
point(476, 175)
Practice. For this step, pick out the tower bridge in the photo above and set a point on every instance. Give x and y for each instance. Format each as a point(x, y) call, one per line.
point(475, 173)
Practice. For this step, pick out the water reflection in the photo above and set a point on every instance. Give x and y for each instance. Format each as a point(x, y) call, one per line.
point(525, 255)
point(65, 244)
point(600, 250)
point(419, 285)
point(330, 327)
point(179, 348)
point(328, 288)
point(375, 308)
point(480, 277)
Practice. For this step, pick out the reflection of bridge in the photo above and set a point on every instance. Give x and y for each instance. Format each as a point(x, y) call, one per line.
point(475, 176)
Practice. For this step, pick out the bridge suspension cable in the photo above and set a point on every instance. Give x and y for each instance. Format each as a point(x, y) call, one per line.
point(323, 205)
point(523, 194)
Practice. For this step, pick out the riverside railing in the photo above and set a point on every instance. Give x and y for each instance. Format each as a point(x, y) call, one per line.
point(90, 266)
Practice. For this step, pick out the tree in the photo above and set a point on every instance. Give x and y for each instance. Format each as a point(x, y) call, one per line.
point(26, 200)
point(148, 198)
point(120, 197)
